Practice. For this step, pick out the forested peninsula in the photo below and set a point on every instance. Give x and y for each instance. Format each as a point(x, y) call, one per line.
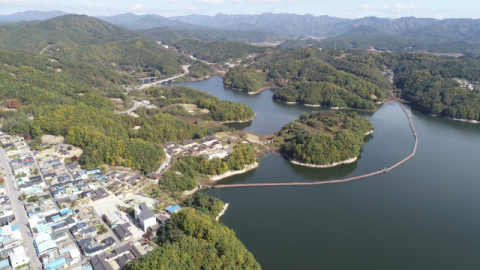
point(310, 76)
point(324, 138)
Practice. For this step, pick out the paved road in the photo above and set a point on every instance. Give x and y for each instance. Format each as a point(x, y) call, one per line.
point(165, 163)
point(19, 209)
point(137, 104)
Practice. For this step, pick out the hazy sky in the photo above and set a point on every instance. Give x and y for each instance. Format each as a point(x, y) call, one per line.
point(339, 8)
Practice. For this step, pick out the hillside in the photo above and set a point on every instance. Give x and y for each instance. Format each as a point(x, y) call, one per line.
point(313, 77)
point(31, 15)
point(138, 22)
point(68, 30)
point(168, 35)
point(324, 137)
point(217, 51)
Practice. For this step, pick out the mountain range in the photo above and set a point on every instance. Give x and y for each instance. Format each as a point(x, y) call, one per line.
point(403, 34)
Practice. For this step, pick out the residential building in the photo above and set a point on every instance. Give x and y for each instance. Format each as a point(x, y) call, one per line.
point(173, 209)
point(144, 216)
point(123, 232)
point(19, 257)
point(113, 218)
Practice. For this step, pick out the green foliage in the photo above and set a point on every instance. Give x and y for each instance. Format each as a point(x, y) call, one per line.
point(168, 35)
point(194, 240)
point(325, 137)
point(314, 77)
point(433, 94)
point(242, 78)
point(217, 51)
point(202, 202)
point(128, 55)
point(219, 110)
point(33, 198)
point(187, 170)
point(69, 30)
point(200, 70)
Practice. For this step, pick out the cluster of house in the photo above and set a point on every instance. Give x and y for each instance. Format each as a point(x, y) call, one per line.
point(24, 164)
point(12, 143)
point(210, 147)
point(119, 179)
point(144, 217)
point(468, 85)
point(11, 250)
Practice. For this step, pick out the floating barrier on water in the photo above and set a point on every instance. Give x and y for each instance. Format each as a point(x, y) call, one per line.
point(385, 169)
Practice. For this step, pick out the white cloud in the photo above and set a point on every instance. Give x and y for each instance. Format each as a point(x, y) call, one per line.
point(395, 9)
point(138, 7)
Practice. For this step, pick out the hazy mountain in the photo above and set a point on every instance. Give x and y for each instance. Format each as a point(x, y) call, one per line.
point(69, 30)
point(290, 24)
point(137, 22)
point(169, 35)
point(31, 15)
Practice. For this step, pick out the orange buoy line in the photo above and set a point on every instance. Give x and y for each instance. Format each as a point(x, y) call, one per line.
point(386, 170)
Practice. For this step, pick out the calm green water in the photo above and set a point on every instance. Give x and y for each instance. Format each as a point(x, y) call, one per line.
point(423, 215)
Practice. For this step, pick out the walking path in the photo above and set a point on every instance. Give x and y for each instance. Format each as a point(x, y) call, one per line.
point(385, 170)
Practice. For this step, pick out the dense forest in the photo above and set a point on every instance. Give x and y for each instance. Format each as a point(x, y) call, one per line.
point(194, 240)
point(202, 202)
point(217, 51)
point(200, 70)
point(218, 110)
point(245, 79)
point(186, 170)
point(169, 36)
point(134, 55)
point(426, 81)
point(313, 77)
point(324, 137)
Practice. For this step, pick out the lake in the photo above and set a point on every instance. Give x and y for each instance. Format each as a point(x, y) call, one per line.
point(421, 215)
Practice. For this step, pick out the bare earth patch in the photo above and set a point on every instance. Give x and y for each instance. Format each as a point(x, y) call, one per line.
point(52, 139)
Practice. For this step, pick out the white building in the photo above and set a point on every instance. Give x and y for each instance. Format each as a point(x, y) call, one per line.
point(144, 216)
point(19, 257)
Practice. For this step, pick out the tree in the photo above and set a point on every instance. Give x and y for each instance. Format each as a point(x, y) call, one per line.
point(23, 196)
point(74, 158)
point(35, 171)
point(26, 135)
point(13, 104)
point(33, 198)
point(148, 234)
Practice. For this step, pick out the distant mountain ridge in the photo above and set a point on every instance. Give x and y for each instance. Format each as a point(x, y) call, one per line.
point(139, 22)
point(31, 15)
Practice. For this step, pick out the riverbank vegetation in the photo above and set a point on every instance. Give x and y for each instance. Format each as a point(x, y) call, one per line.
point(306, 76)
point(217, 51)
point(244, 79)
point(187, 170)
point(324, 137)
point(427, 81)
point(194, 240)
point(218, 110)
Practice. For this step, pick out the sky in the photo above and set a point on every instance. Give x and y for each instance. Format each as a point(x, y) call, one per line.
point(338, 8)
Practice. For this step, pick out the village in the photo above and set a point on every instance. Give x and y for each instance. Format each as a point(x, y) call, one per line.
point(56, 215)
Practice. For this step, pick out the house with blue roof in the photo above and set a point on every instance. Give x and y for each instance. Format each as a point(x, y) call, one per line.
point(45, 247)
point(173, 209)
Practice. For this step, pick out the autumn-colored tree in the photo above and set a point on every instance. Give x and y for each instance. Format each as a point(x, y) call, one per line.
point(148, 234)
point(74, 158)
point(13, 104)
point(27, 135)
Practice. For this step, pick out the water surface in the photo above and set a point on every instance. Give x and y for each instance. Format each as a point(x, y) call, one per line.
point(422, 215)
